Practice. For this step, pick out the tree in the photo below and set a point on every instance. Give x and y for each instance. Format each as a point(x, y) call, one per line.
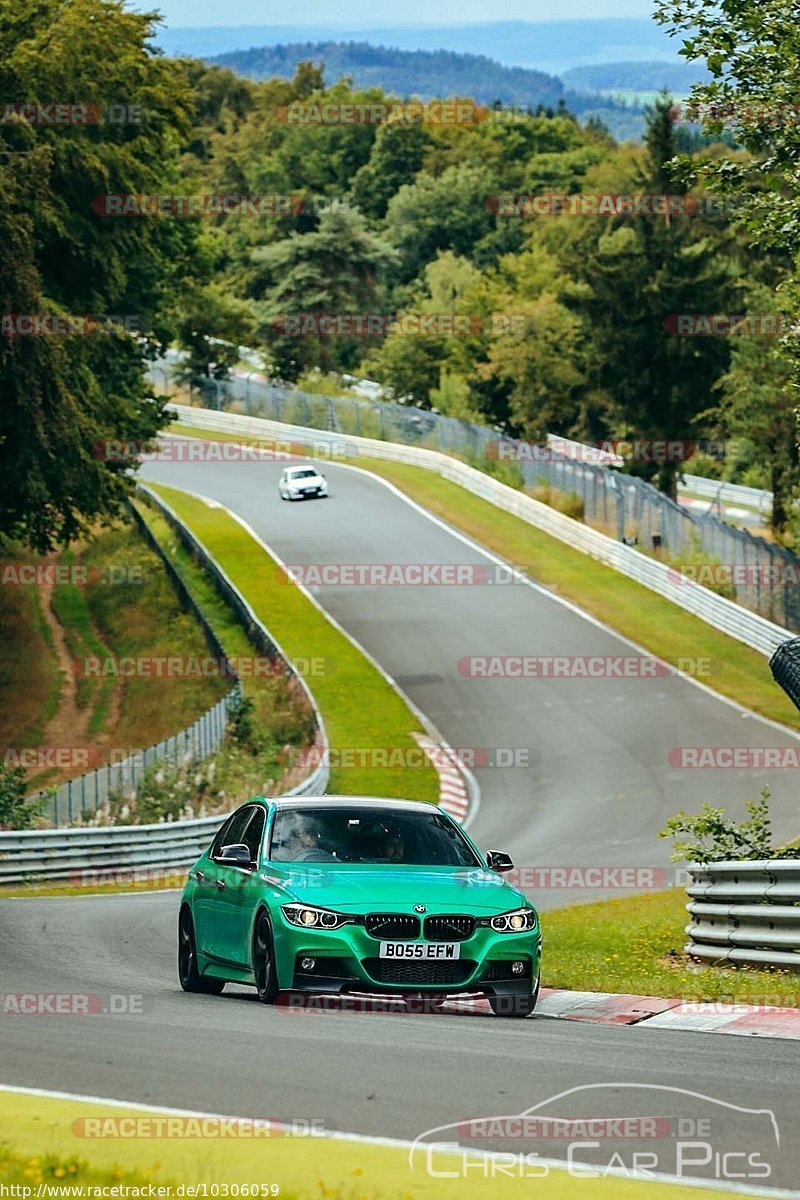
point(398, 152)
point(752, 51)
point(334, 271)
point(758, 405)
point(448, 212)
point(638, 273)
point(64, 392)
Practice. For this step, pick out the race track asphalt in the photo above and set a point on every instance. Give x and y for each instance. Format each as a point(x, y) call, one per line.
point(598, 789)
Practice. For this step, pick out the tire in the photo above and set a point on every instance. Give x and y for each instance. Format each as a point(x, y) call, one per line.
point(264, 968)
point(190, 978)
point(514, 1006)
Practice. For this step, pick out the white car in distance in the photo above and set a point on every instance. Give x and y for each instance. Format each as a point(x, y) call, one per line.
point(302, 483)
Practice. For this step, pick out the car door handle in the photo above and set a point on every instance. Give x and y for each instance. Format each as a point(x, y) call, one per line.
point(220, 885)
point(198, 875)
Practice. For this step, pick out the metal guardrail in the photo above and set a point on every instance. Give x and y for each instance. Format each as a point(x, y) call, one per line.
point(745, 912)
point(727, 616)
point(766, 576)
point(724, 492)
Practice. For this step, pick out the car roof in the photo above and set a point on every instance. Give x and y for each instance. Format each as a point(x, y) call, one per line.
point(301, 467)
point(379, 802)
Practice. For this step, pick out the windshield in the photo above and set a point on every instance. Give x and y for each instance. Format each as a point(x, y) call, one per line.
point(306, 473)
point(358, 835)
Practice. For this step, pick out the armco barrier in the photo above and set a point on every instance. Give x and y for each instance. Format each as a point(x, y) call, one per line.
point(722, 614)
point(112, 852)
point(631, 507)
point(745, 912)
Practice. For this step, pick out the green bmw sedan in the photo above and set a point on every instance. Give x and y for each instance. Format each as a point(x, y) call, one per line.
point(353, 894)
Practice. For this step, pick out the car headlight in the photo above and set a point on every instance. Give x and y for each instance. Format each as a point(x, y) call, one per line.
point(521, 920)
point(314, 918)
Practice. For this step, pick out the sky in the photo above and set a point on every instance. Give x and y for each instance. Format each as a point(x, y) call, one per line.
point(375, 13)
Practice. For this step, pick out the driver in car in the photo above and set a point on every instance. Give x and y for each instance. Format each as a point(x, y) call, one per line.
point(302, 844)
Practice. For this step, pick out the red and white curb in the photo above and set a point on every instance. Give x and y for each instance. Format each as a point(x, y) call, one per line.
point(454, 795)
point(656, 1012)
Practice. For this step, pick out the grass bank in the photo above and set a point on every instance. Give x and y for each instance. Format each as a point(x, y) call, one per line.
point(635, 945)
point(40, 1148)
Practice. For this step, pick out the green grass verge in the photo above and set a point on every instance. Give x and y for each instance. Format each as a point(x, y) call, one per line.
point(360, 709)
point(41, 1140)
point(635, 945)
point(661, 627)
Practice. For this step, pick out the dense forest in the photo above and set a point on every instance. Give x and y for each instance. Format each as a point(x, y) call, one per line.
point(258, 207)
point(429, 73)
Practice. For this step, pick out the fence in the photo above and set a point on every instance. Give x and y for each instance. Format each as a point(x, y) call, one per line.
point(624, 504)
point(722, 614)
point(81, 797)
point(745, 912)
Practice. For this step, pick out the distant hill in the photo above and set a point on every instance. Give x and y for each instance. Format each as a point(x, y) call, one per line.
point(677, 77)
point(428, 74)
point(403, 72)
point(551, 46)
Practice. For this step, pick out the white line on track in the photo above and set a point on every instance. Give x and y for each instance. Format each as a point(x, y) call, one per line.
point(405, 1144)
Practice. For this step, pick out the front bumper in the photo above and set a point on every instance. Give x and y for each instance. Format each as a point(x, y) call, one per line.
point(346, 959)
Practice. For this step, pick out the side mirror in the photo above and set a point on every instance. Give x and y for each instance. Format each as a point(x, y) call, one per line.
point(498, 860)
point(237, 855)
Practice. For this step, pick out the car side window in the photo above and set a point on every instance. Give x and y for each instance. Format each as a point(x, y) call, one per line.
point(232, 831)
point(254, 833)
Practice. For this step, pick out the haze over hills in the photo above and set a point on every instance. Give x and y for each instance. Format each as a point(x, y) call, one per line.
point(649, 76)
point(550, 46)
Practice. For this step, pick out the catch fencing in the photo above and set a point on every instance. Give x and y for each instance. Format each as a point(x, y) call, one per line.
point(715, 610)
point(628, 508)
point(745, 912)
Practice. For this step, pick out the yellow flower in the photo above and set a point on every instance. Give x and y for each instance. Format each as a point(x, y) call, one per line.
point(358, 1170)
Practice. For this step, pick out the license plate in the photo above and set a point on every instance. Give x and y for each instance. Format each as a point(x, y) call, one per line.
point(421, 950)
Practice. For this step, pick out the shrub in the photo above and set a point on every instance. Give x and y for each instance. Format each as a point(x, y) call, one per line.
point(15, 811)
point(710, 836)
